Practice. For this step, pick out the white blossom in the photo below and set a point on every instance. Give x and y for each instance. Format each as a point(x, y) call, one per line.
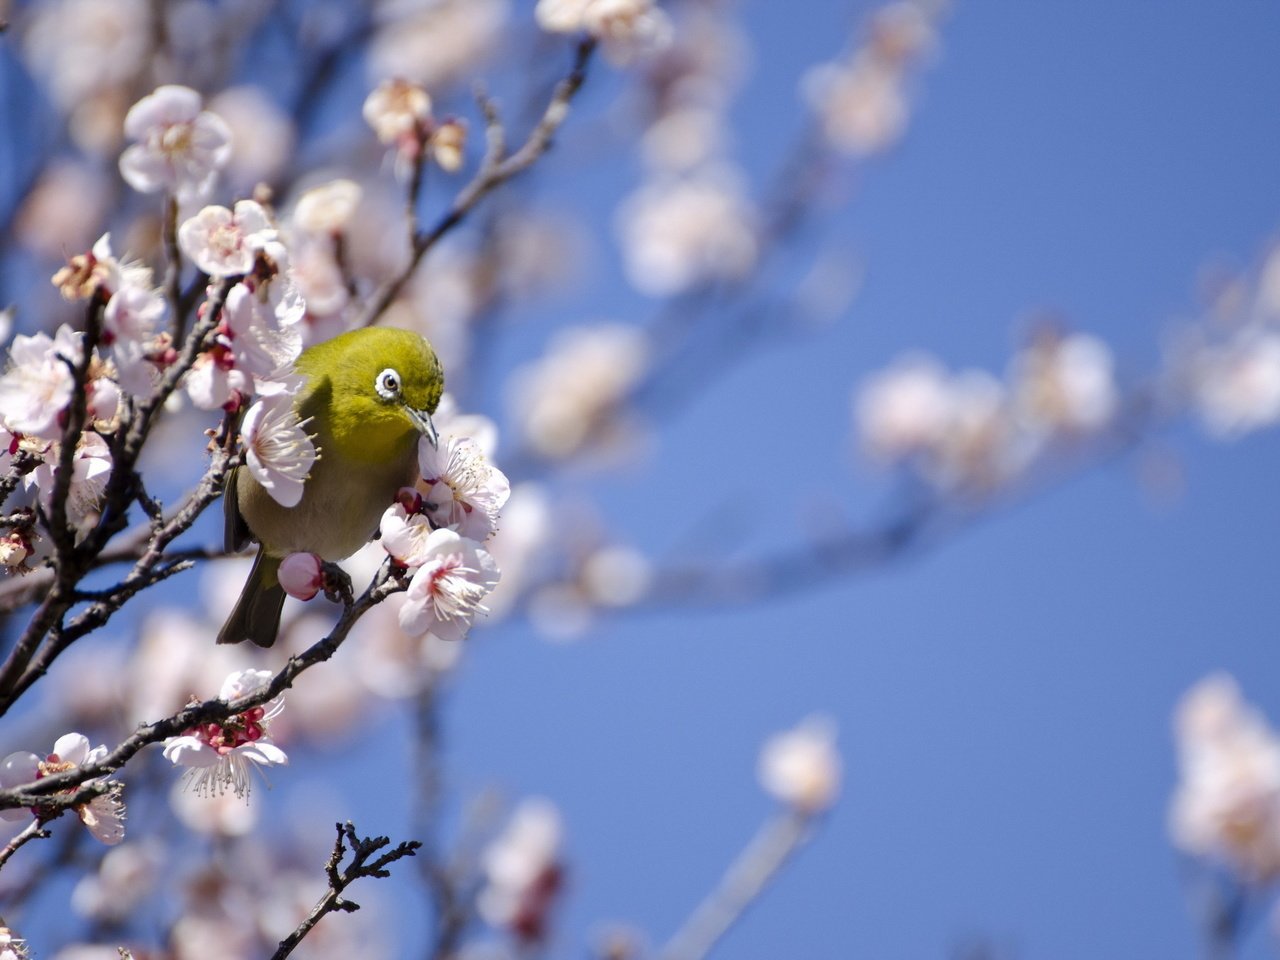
point(448, 589)
point(90, 470)
point(37, 387)
point(179, 147)
point(222, 755)
point(1236, 385)
point(678, 233)
point(904, 409)
point(278, 451)
point(522, 869)
point(103, 816)
point(223, 242)
point(801, 767)
point(405, 534)
point(1066, 383)
point(1227, 803)
point(464, 491)
point(626, 28)
point(327, 208)
point(398, 111)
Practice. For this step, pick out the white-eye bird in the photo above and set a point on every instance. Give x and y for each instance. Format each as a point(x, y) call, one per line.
point(368, 396)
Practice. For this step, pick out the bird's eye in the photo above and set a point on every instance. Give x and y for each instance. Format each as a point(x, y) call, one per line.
point(387, 384)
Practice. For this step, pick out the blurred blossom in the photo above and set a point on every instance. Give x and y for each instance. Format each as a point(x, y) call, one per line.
point(683, 139)
point(392, 664)
point(179, 146)
point(326, 209)
point(903, 411)
point(1236, 385)
point(679, 233)
point(527, 526)
point(103, 816)
point(1226, 806)
point(616, 576)
point(1066, 383)
point(801, 767)
point(323, 288)
point(326, 707)
point(261, 133)
point(452, 423)
point(627, 29)
point(125, 877)
point(220, 815)
point(560, 612)
point(862, 101)
point(222, 756)
point(522, 871)
point(399, 113)
point(174, 656)
point(434, 42)
point(64, 209)
point(862, 105)
point(79, 47)
point(571, 396)
point(442, 298)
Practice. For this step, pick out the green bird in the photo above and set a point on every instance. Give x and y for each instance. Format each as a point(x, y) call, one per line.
point(367, 397)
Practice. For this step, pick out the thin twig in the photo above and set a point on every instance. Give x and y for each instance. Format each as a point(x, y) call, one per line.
point(339, 879)
point(741, 884)
point(34, 831)
point(495, 169)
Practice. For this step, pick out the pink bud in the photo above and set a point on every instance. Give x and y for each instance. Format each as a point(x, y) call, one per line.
point(300, 575)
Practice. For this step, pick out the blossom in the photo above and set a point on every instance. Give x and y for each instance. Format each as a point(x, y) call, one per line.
point(862, 105)
point(522, 870)
point(448, 588)
point(90, 470)
point(222, 242)
point(404, 532)
point(328, 208)
point(179, 148)
point(447, 144)
point(256, 343)
point(572, 395)
point(103, 816)
point(1066, 383)
point(904, 409)
point(464, 491)
point(222, 754)
point(1226, 806)
point(398, 111)
point(301, 575)
point(278, 451)
point(627, 28)
point(37, 387)
point(801, 767)
point(679, 232)
point(1236, 385)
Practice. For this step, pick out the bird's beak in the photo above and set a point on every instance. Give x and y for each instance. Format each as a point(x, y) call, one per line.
point(422, 420)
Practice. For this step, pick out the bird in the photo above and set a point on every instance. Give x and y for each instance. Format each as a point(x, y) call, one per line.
point(367, 396)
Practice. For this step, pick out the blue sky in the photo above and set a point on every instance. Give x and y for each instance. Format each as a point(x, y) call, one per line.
point(1004, 700)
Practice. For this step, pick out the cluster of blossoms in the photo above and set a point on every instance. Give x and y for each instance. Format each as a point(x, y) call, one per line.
point(1226, 807)
point(437, 533)
point(222, 755)
point(523, 872)
point(969, 432)
point(103, 815)
point(1228, 368)
point(627, 28)
point(862, 101)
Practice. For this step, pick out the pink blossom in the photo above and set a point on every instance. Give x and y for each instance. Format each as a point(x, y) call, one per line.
point(180, 147)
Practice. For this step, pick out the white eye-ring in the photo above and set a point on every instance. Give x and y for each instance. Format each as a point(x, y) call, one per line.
point(387, 383)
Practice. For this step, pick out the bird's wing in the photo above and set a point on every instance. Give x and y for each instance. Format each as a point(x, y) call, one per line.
point(235, 531)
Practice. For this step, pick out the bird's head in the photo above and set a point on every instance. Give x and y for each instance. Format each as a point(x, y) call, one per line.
point(385, 384)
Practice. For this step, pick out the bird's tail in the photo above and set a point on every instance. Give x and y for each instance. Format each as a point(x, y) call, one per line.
point(256, 616)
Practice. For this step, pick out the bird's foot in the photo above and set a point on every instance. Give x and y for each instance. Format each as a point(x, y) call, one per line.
point(336, 584)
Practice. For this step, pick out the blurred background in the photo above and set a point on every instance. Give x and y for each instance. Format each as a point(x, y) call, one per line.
point(903, 365)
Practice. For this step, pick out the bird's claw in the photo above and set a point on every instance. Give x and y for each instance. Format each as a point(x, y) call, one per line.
point(336, 584)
